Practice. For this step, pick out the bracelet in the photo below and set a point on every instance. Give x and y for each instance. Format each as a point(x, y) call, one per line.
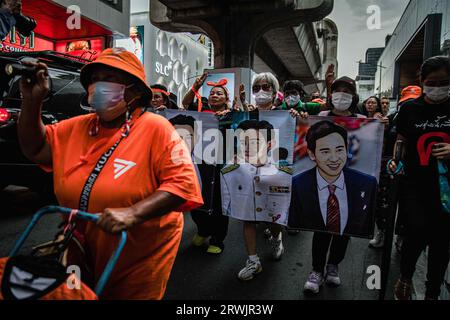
point(399, 167)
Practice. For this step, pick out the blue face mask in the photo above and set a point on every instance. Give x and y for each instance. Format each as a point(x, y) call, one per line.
point(108, 99)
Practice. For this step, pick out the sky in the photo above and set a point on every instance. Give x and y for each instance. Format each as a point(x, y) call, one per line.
point(355, 37)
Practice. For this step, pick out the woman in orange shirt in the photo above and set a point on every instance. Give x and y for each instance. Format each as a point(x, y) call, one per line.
point(122, 162)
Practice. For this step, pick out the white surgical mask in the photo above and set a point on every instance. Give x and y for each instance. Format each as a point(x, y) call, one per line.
point(342, 101)
point(292, 101)
point(436, 94)
point(263, 97)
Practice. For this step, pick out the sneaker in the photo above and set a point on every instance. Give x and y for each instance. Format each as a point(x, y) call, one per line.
point(378, 240)
point(332, 276)
point(198, 241)
point(214, 250)
point(403, 290)
point(277, 247)
point(267, 233)
point(314, 282)
point(251, 269)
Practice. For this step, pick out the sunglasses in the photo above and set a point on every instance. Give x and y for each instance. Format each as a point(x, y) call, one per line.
point(257, 88)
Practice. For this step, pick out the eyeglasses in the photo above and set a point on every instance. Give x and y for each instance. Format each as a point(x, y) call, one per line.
point(257, 88)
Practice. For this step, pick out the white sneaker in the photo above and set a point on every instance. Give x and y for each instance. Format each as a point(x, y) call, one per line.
point(277, 247)
point(332, 276)
point(378, 240)
point(314, 282)
point(251, 269)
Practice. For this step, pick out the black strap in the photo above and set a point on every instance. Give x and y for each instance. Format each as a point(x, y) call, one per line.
point(87, 189)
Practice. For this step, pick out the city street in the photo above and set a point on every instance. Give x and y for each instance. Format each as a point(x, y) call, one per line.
point(198, 276)
point(328, 116)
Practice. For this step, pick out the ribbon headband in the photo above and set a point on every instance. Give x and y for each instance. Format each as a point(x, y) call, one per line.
point(161, 91)
point(221, 83)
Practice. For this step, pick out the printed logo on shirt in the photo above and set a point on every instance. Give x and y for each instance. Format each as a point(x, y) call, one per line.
point(425, 145)
point(122, 166)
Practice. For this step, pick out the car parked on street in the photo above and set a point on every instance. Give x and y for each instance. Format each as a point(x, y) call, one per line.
point(63, 102)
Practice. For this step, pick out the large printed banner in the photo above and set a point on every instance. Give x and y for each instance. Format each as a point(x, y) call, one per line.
point(257, 185)
point(194, 127)
point(336, 172)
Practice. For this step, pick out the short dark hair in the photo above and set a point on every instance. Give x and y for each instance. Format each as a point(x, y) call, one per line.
point(159, 86)
point(378, 100)
point(294, 85)
point(322, 129)
point(183, 120)
point(434, 64)
point(257, 125)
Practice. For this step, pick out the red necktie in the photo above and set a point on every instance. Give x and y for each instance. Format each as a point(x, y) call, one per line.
point(333, 212)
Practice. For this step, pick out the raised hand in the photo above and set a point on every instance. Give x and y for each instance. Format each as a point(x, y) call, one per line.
point(35, 88)
point(200, 81)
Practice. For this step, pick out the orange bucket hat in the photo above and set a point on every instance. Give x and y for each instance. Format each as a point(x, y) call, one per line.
point(120, 59)
point(411, 92)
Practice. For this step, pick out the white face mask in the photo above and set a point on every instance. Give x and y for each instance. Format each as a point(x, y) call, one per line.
point(342, 101)
point(263, 97)
point(292, 101)
point(436, 94)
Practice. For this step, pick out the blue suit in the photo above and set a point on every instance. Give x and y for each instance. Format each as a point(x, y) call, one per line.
point(361, 199)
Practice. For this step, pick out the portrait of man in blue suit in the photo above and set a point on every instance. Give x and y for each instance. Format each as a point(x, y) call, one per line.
point(331, 197)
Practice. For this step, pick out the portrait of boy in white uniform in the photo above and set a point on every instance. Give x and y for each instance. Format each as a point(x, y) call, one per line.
point(254, 189)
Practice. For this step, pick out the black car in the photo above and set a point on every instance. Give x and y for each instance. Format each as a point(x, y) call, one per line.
point(63, 102)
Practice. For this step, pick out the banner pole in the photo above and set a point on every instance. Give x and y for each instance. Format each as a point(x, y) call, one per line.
point(389, 236)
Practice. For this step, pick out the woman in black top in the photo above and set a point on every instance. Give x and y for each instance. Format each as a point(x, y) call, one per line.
point(424, 126)
point(161, 98)
point(218, 100)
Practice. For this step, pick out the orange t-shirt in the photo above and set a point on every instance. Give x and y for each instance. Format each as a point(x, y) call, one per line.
point(152, 158)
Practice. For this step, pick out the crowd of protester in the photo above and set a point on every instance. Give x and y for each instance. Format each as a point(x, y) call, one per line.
point(150, 204)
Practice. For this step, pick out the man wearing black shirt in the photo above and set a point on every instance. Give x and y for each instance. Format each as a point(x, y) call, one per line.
point(424, 125)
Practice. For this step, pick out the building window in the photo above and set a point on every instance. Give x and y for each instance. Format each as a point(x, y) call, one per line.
point(183, 54)
point(186, 73)
point(178, 73)
point(174, 49)
point(162, 43)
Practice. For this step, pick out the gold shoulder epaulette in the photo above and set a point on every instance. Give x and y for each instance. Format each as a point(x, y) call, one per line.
point(287, 170)
point(229, 169)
